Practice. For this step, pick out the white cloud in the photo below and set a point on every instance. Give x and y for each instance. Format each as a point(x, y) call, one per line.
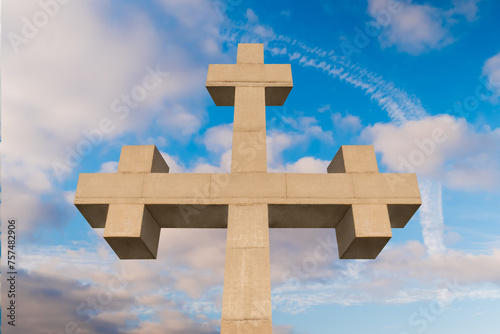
point(173, 164)
point(180, 123)
point(219, 138)
point(431, 217)
point(401, 274)
point(293, 131)
point(69, 196)
point(346, 124)
point(491, 70)
point(305, 165)
point(418, 28)
point(441, 147)
point(467, 8)
point(109, 167)
point(251, 31)
point(223, 167)
point(65, 80)
point(285, 132)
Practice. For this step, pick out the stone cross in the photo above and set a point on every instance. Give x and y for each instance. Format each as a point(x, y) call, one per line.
point(133, 204)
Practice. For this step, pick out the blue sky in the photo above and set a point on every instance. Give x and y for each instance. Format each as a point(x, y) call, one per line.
point(377, 72)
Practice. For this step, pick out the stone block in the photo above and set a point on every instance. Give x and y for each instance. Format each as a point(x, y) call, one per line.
point(354, 159)
point(141, 159)
point(250, 53)
point(364, 231)
point(131, 231)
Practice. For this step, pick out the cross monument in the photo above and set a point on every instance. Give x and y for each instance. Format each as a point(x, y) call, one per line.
point(133, 204)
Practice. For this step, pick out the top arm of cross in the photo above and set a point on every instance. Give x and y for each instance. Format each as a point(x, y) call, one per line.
point(249, 71)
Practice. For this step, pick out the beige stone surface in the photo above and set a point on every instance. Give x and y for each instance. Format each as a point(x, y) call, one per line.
point(354, 159)
point(141, 159)
point(250, 75)
point(250, 110)
point(250, 71)
point(352, 197)
point(246, 327)
point(250, 53)
point(131, 231)
point(247, 274)
point(108, 185)
point(378, 186)
point(188, 185)
point(364, 231)
point(319, 185)
point(249, 185)
point(249, 152)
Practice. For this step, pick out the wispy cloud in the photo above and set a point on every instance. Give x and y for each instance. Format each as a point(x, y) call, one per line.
point(399, 105)
point(431, 217)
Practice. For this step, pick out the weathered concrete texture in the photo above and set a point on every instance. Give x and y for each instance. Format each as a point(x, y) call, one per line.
point(246, 303)
point(249, 152)
point(246, 327)
point(250, 53)
point(131, 231)
point(141, 159)
point(354, 159)
point(246, 188)
point(363, 232)
point(250, 110)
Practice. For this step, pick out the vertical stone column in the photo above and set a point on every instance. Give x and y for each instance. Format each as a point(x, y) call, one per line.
point(249, 131)
point(246, 305)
